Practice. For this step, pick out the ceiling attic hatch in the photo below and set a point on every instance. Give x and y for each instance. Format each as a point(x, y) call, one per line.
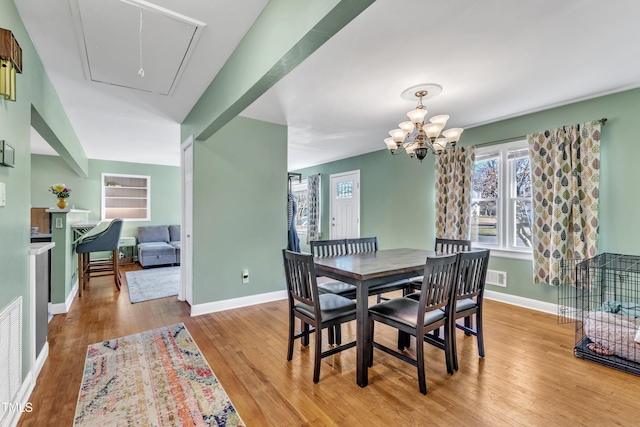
point(120, 37)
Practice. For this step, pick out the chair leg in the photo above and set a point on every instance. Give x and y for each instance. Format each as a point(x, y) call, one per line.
point(85, 270)
point(317, 357)
point(331, 335)
point(291, 334)
point(116, 269)
point(338, 328)
point(369, 353)
point(420, 364)
point(80, 274)
point(305, 334)
point(404, 340)
point(448, 344)
point(454, 345)
point(467, 324)
point(479, 332)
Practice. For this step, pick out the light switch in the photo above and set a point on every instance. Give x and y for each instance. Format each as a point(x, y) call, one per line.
point(3, 194)
point(58, 222)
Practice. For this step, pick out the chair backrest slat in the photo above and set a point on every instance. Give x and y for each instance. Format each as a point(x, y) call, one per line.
point(472, 273)
point(452, 246)
point(324, 248)
point(300, 274)
point(362, 245)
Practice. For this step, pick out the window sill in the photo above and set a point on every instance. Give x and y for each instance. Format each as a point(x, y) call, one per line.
point(501, 253)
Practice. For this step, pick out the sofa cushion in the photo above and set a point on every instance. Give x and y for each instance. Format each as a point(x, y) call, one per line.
point(153, 233)
point(174, 233)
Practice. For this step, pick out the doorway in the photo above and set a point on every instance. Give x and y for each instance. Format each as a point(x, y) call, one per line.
point(345, 205)
point(186, 257)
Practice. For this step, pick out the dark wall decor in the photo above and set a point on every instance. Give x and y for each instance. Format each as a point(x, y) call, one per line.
point(7, 154)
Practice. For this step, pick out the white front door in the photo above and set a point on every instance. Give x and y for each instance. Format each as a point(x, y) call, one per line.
point(186, 259)
point(345, 205)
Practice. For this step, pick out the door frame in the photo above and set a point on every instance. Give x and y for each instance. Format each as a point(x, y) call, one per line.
point(186, 256)
point(338, 175)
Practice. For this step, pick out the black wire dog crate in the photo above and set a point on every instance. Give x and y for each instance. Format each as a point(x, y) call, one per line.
point(602, 296)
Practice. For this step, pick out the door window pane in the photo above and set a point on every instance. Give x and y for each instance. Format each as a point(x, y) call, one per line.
point(345, 190)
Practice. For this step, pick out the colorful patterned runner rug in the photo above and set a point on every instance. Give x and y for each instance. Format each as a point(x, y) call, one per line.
point(155, 378)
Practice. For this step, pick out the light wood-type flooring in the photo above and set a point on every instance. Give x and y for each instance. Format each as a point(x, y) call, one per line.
point(528, 378)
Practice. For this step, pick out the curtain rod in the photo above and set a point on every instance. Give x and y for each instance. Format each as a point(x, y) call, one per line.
point(602, 121)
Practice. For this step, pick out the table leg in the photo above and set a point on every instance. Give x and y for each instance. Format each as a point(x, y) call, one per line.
point(362, 333)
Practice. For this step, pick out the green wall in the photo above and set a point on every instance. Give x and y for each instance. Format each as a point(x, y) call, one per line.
point(397, 197)
point(240, 210)
point(166, 188)
point(34, 90)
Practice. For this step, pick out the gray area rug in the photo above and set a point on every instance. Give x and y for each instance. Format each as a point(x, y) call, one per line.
point(153, 283)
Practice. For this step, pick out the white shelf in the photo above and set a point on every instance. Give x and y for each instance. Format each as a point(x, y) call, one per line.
point(125, 197)
point(132, 191)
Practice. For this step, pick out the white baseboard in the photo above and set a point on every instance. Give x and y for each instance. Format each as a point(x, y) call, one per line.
point(229, 304)
point(22, 398)
point(42, 357)
point(545, 307)
point(64, 307)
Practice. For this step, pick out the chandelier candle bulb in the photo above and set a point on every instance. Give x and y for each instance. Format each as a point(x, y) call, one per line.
point(407, 127)
point(416, 116)
point(391, 145)
point(441, 119)
point(398, 135)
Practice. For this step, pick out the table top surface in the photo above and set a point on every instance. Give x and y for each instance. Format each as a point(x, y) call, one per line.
point(376, 264)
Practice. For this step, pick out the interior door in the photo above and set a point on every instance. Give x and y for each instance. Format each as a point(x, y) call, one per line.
point(345, 205)
point(186, 257)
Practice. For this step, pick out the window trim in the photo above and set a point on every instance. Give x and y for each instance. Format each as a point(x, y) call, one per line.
point(506, 196)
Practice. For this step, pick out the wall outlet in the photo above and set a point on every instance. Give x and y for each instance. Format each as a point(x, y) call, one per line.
point(58, 222)
point(3, 194)
point(245, 276)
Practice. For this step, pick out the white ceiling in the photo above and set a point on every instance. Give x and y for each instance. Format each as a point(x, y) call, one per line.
point(494, 59)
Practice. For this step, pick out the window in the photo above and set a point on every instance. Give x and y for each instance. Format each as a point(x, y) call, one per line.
point(125, 196)
point(501, 198)
point(301, 194)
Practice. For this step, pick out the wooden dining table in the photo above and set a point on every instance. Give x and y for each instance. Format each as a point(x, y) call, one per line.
point(366, 270)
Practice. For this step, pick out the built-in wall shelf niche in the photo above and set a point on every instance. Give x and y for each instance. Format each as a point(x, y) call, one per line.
point(126, 196)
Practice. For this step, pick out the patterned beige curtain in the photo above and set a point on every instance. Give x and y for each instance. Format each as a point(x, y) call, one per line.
point(565, 178)
point(314, 207)
point(454, 176)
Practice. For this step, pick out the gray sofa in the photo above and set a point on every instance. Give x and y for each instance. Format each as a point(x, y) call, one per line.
point(158, 245)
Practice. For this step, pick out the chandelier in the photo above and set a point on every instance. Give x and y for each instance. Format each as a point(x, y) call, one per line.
point(418, 137)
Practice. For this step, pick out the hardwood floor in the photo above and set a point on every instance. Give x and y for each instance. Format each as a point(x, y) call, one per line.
point(529, 377)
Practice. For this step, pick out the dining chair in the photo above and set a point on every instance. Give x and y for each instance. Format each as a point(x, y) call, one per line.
point(451, 246)
point(325, 248)
point(362, 245)
point(320, 311)
point(443, 246)
point(418, 318)
point(103, 241)
point(468, 293)
point(367, 245)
